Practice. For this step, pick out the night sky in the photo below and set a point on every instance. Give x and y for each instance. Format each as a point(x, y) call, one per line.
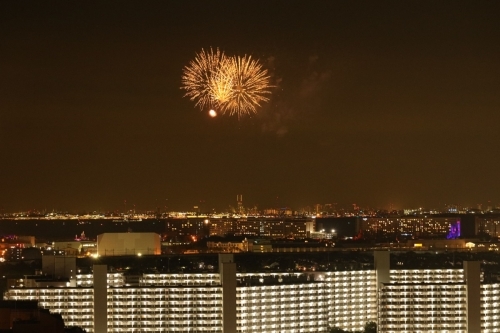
point(375, 103)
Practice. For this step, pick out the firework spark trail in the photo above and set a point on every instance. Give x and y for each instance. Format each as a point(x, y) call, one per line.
point(221, 83)
point(234, 85)
point(197, 78)
point(250, 85)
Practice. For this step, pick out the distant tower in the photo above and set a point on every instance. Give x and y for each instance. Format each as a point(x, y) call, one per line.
point(239, 200)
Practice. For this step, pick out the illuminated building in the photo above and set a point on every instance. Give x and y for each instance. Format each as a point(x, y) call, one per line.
point(20, 241)
point(488, 226)
point(14, 253)
point(244, 246)
point(411, 226)
point(419, 300)
point(322, 235)
point(490, 308)
point(255, 226)
point(428, 300)
point(222, 226)
point(281, 307)
point(281, 228)
point(187, 227)
point(352, 298)
point(423, 307)
point(247, 226)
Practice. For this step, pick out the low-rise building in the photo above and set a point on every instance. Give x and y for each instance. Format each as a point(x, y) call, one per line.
point(230, 246)
point(128, 243)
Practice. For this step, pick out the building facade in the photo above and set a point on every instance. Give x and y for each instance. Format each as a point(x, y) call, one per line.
point(128, 243)
point(427, 300)
point(411, 226)
point(262, 226)
point(488, 226)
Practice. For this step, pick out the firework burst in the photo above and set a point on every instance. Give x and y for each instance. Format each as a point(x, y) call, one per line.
point(198, 77)
point(249, 86)
point(233, 85)
point(221, 84)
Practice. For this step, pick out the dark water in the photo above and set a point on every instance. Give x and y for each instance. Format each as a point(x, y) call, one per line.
point(53, 230)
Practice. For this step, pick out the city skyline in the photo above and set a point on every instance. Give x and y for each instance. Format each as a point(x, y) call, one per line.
point(377, 104)
point(239, 208)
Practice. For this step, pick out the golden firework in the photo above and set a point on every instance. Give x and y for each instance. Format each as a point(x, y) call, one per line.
point(198, 76)
point(250, 86)
point(233, 85)
point(221, 83)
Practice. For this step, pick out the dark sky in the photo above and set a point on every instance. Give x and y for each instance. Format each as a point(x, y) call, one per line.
point(375, 103)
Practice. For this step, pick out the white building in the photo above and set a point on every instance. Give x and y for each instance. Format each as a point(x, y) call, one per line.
point(422, 301)
point(128, 243)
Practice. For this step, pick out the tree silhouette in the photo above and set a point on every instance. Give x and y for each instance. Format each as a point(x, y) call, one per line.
point(370, 327)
